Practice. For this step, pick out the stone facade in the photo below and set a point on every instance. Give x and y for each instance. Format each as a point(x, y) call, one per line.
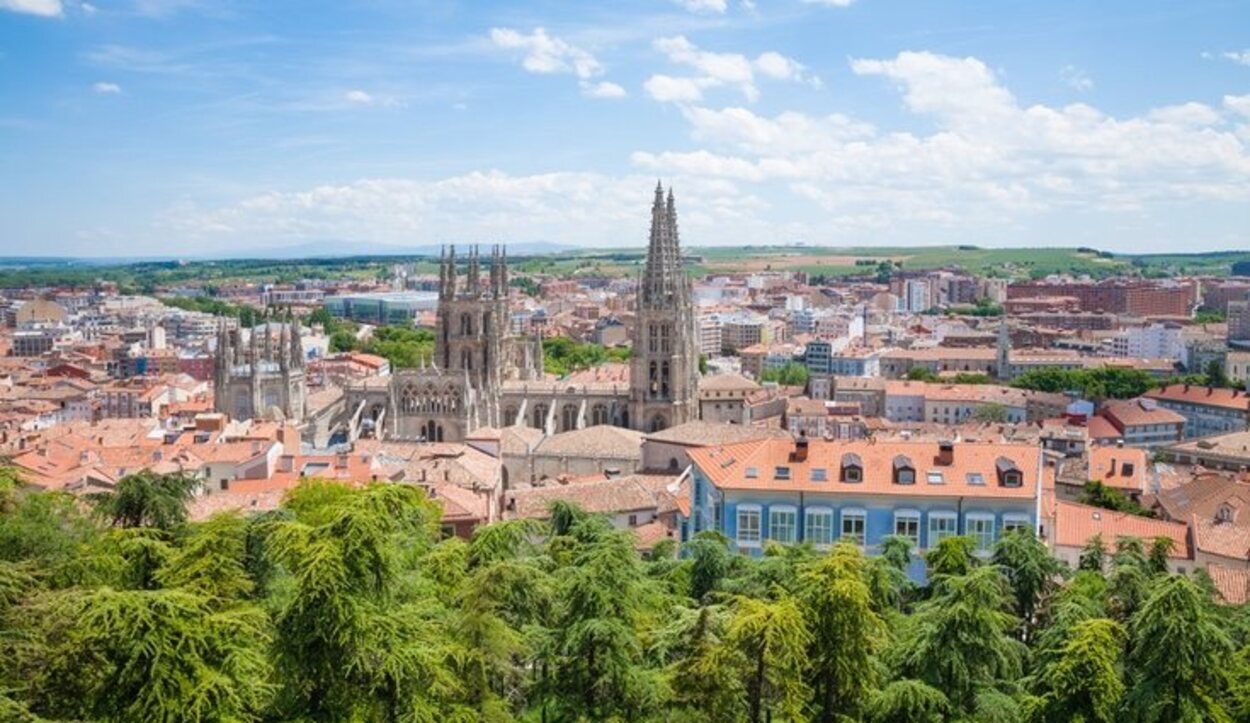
point(263, 380)
point(484, 374)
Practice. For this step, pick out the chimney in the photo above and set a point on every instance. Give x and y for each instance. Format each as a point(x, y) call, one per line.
point(1111, 473)
point(800, 450)
point(946, 453)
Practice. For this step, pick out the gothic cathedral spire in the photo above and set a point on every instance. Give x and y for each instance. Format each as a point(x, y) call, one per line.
point(664, 373)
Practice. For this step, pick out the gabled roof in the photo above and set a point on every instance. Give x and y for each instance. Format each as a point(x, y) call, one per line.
point(1076, 524)
point(972, 472)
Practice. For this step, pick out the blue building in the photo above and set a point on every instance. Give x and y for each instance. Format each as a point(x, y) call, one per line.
point(820, 491)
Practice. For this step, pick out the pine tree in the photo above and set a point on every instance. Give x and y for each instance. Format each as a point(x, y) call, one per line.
point(846, 632)
point(773, 639)
point(1177, 652)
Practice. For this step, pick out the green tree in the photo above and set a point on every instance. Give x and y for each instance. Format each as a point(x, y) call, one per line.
point(791, 374)
point(1083, 683)
point(846, 633)
point(1177, 653)
point(951, 557)
point(1093, 555)
point(992, 413)
point(148, 499)
point(908, 701)
point(773, 638)
point(958, 641)
point(710, 562)
point(1031, 571)
point(922, 374)
point(151, 655)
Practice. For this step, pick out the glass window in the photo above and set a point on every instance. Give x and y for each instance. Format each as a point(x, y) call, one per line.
point(941, 526)
point(748, 526)
point(819, 474)
point(819, 529)
point(752, 473)
point(782, 524)
point(976, 478)
point(853, 526)
point(906, 476)
point(1016, 522)
point(934, 477)
point(907, 524)
point(981, 529)
point(781, 473)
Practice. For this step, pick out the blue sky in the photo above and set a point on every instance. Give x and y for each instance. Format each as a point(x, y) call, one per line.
point(158, 127)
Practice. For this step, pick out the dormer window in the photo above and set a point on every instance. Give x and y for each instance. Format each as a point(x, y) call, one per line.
point(1224, 513)
point(819, 474)
point(782, 473)
point(1009, 475)
point(904, 471)
point(752, 473)
point(1126, 469)
point(852, 468)
point(934, 477)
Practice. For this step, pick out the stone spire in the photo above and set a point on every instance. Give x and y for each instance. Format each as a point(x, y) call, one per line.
point(297, 345)
point(475, 272)
point(451, 273)
point(284, 346)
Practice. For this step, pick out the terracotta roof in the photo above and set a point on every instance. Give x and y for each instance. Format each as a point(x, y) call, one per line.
point(699, 433)
point(605, 441)
point(726, 383)
point(1076, 524)
point(1202, 497)
point(1226, 539)
point(1139, 412)
point(1233, 584)
point(1206, 396)
point(1235, 445)
point(974, 471)
point(1107, 464)
point(1102, 428)
point(629, 493)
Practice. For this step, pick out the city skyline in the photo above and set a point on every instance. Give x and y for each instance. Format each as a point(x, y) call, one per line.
point(160, 127)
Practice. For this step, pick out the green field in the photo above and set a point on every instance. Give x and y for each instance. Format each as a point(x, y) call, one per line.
point(1019, 263)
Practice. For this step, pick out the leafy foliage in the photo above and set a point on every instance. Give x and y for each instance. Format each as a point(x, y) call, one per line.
point(344, 604)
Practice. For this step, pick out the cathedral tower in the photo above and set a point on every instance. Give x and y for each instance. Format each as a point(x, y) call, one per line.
point(664, 371)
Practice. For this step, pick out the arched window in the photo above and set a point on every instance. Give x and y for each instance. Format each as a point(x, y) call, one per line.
point(509, 416)
point(431, 431)
point(568, 417)
point(540, 416)
point(466, 324)
point(466, 359)
point(658, 423)
point(599, 414)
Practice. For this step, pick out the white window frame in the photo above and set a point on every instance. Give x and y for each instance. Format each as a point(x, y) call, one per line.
point(811, 512)
point(936, 536)
point(790, 510)
point(980, 517)
point(857, 512)
point(911, 516)
point(1012, 520)
point(759, 525)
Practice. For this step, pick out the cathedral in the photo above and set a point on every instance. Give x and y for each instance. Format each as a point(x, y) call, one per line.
point(261, 380)
point(484, 375)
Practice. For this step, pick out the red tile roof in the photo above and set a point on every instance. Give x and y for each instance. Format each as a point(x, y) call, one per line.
point(730, 466)
point(1076, 524)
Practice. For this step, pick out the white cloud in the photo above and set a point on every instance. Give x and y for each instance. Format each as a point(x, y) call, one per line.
point(358, 96)
point(831, 3)
point(725, 69)
point(704, 6)
point(544, 53)
point(1076, 78)
point(88, 8)
point(1238, 56)
point(106, 88)
point(989, 160)
point(481, 205)
point(43, 8)
point(1238, 104)
point(667, 89)
point(603, 89)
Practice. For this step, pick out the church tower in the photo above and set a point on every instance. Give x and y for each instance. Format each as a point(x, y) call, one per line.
point(664, 369)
